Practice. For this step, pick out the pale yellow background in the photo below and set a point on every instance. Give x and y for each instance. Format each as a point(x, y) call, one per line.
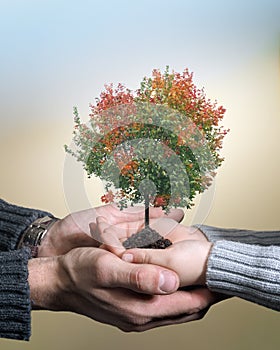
point(241, 71)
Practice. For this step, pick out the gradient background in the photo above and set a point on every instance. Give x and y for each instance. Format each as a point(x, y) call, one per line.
point(57, 54)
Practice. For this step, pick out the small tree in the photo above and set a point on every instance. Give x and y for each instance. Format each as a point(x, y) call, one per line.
point(158, 145)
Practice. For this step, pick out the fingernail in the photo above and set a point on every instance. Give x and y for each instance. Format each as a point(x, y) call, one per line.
point(167, 281)
point(127, 257)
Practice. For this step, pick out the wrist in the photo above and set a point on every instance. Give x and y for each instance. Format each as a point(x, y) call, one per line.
point(48, 246)
point(207, 246)
point(47, 283)
point(198, 234)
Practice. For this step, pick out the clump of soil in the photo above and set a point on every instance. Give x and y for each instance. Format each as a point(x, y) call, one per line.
point(147, 238)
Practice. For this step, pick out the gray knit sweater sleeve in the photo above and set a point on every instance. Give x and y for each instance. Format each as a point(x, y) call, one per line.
point(15, 303)
point(245, 264)
point(215, 234)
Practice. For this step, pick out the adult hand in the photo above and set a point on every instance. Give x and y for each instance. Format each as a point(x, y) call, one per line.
point(112, 236)
point(73, 231)
point(96, 283)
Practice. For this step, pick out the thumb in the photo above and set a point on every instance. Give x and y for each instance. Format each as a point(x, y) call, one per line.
point(148, 279)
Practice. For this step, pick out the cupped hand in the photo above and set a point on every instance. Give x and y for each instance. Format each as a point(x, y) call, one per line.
point(73, 230)
point(112, 236)
point(96, 283)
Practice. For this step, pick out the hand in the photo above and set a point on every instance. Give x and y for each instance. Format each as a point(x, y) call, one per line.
point(73, 231)
point(187, 258)
point(96, 283)
point(112, 236)
point(190, 247)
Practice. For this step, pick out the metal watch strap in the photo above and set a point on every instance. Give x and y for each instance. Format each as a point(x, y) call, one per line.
point(35, 233)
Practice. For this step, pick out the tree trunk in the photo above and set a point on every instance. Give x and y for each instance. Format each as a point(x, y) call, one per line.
point(147, 210)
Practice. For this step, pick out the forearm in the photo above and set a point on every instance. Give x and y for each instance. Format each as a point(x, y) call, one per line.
point(265, 238)
point(13, 222)
point(46, 280)
point(251, 272)
point(14, 295)
point(15, 312)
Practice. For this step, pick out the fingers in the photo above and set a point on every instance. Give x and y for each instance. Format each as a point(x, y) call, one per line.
point(187, 258)
point(176, 214)
point(167, 321)
point(138, 213)
point(81, 219)
point(186, 302)
point(108, 236)
point(166, 258)
point(146, 279)
point(165, 226)
point(109, 233)
point(147, 256)
point(176, 308)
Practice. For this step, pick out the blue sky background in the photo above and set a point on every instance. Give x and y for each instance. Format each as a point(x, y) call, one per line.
point(56, 54)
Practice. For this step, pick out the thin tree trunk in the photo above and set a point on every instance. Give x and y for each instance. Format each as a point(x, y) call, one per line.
point(147, 210)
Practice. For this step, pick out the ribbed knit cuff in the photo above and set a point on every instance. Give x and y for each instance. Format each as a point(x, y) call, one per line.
point(13, 222)
point(250, 272)
point(15, 307)
point(215, 234)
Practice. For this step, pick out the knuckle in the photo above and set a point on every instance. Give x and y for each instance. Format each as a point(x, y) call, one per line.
point(101, 271)
point(145, 257)
point(140, 256)
point(101, 260)
point(137, 277)
point(144, 279)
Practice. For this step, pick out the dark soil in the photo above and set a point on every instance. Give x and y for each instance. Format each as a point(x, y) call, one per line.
point(147, 238)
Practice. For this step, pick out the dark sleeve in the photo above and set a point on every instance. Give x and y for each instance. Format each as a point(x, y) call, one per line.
point(13, 221)
point(15, 304)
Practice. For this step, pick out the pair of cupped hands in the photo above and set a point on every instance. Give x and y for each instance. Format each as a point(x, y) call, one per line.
point(83, 267)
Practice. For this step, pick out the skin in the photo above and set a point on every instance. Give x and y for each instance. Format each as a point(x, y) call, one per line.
point(73, 274)
point(81, 282)
point(73, 231)
point(112, 236)
point(187, 256)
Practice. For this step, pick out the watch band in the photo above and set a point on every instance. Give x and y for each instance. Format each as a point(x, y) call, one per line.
point(35, 233)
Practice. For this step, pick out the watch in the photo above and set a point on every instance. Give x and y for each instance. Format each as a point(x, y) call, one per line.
point(35, 233)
